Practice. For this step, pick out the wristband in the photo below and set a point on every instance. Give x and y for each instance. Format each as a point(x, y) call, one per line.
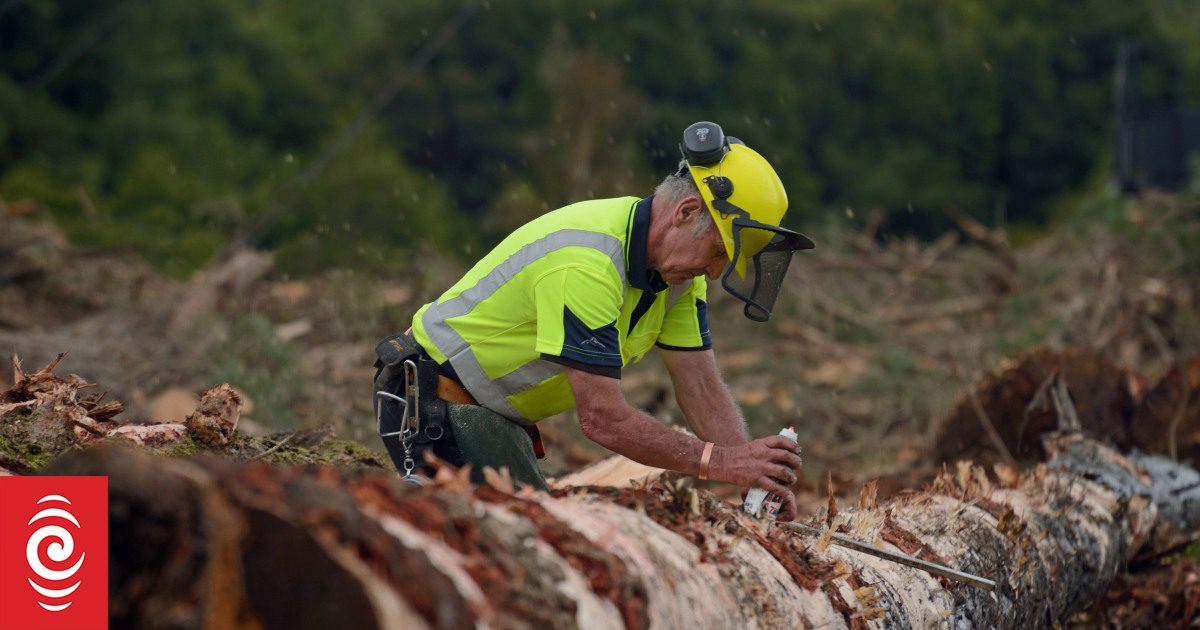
point(704, 458)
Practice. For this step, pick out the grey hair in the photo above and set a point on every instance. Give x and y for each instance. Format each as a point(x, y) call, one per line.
point(676, 187)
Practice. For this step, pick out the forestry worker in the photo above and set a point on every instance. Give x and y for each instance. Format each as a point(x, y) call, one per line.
point(546, 320)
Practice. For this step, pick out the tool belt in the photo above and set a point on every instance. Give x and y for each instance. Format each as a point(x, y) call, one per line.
point(410, 404)
point(408, 414)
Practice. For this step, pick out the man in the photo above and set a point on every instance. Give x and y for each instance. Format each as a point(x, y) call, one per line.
point(545, 322)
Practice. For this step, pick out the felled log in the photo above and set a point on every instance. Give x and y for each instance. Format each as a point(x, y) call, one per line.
point(213, 542)
point(614, 472)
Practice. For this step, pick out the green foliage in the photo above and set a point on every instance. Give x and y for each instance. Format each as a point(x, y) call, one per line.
point(174, 127)
point(368, 212)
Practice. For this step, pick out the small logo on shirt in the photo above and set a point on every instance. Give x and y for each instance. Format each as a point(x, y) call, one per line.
point(592, 341)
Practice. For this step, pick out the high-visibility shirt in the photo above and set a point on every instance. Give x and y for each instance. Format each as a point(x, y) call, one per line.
point(569, 288)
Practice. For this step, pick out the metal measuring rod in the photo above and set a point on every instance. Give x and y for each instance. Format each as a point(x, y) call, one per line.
point(899, 558)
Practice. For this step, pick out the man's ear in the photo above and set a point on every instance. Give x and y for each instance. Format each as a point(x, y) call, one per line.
point(687, 210)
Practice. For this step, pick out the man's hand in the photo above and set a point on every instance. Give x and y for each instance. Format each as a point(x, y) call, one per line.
point(607, 419)
point(768, 463)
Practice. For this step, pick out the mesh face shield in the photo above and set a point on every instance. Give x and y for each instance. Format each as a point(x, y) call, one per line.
point(765, 269)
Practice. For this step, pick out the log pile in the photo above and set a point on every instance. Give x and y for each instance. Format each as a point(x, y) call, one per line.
point(214, 541)
point(293, 547)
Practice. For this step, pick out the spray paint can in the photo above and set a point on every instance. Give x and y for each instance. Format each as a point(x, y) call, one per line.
point(757, 498)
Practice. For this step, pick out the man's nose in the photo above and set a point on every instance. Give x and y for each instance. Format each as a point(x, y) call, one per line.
point(714, 269)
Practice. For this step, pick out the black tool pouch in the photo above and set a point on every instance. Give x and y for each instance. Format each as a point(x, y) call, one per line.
point(391, 354)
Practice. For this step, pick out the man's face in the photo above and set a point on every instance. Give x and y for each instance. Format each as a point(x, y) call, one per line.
point(693, 250)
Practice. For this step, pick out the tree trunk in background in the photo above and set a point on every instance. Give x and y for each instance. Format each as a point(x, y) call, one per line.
point(211, 543)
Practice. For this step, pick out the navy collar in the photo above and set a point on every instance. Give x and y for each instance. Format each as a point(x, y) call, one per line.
point(639, 275)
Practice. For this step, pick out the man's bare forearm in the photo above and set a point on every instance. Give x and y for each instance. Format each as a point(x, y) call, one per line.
point(704, 399)
point(713, 415)
point(609, 420)
point(645, 440)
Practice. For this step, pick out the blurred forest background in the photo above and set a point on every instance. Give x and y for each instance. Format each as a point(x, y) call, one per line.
point(352, 133)
point(257, 191)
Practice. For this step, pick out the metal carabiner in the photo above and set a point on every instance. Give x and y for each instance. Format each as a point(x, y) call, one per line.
point(412, 392)
point(410, 423)
point(405, 437)
point(379, 414)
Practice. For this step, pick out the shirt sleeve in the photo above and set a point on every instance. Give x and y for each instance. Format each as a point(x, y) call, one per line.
point(577, 311)
point(685, 326)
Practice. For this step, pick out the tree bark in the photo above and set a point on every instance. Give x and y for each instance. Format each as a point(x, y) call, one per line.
point(213, 543)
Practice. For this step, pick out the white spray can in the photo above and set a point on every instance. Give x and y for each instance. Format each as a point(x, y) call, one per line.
point(757, 498)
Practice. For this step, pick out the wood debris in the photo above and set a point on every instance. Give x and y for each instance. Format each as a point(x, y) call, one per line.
point(52, 413)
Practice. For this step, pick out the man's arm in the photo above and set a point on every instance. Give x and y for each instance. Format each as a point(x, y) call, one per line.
point(705, 400)
point(607, 419)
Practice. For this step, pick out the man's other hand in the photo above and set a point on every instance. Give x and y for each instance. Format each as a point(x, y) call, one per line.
point(769, 463)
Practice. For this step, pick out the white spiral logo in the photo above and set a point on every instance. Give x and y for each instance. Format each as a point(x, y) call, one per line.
point(60, 549)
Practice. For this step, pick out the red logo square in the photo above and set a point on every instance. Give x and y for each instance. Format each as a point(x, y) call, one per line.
point(53, 552)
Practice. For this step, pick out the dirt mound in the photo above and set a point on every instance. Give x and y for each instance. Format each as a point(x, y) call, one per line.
point(1002, 416)
point(47, 283)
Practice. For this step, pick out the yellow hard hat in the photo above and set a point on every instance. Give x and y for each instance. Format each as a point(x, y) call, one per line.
point(747, 202)
point(756, 189)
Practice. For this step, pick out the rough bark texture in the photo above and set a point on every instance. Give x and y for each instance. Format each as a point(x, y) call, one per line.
point(215, 543)
point(54, 413)
point(1015, 401)
point(212, 542)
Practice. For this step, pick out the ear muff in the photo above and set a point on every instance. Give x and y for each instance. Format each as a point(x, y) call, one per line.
point(704, 144)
